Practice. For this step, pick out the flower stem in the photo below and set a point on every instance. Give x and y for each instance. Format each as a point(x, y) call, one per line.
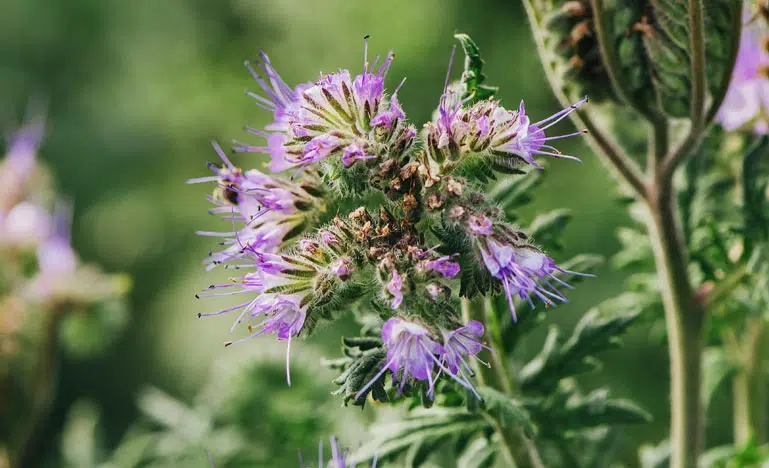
point(684, 318)
point(518, 450)
point(42, 395)
point(749, 390)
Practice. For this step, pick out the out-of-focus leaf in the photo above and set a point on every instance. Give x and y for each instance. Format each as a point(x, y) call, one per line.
point(547, 228)
point(79, 446)
point(716, 368)
point(754, 186)
point(480, 453)
point(636, 249)
point(594, 333)
point(655, 456)
point(508, 411)
point(429, 428)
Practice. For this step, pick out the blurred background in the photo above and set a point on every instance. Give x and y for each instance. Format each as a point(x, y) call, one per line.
point(136, 91)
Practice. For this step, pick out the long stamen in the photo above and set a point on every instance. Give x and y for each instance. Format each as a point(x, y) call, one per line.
point(562, 113)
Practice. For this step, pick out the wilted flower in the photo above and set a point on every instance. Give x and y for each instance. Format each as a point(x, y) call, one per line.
point(746, 103)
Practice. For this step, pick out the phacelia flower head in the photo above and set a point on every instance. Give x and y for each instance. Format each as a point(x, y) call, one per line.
point(523, 270)
point(460, 344)
point(337, 115)
point(510, 137)
point(746, 104)
point(283, 286)
point(411, 351)
point(268, 209)
point(19, 163)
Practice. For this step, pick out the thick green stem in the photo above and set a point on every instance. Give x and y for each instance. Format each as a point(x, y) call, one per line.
point(518, 450)
point(685, 321)
point(749, 388)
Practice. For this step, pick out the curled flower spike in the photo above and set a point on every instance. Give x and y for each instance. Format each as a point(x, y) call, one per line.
point(510, 134)
point(523, 271)
point(337, 115)
point(461, 343)
point(412, 351)
point(270, 209)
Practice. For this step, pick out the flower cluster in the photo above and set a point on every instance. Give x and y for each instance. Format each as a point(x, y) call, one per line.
point(40, 272)
point(349, 150)
point(746, 104)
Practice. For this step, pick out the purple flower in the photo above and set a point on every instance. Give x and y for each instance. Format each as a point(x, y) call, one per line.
point(268, 208)
point(410, 351)
point(337, 115)
point(342, 267)
point(19, 162)
point(523, 271)
point(747, 100)
point(25, 225)
point(353, 153)
point(285, 318)
point(338, 456)
point(394, 287)
point(512, 134)
point(480, 225)
point(443, 265)
point(464, 341)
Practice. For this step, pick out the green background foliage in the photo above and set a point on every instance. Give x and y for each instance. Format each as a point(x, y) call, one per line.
point(135, 92)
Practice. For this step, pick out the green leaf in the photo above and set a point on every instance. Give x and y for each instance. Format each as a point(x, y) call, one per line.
point(594, 333)
point(480, 453)
point(655, 456)
point(473, 77)
point(427, 428)
point(512, 193)
point(636, 249)
point(566, 410)
point(508, 411)
point(546, 229)
point(716, 369)
point(754, 185)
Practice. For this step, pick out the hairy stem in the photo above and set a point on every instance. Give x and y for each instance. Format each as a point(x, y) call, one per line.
point(698, 74)
point(611, 154)
point(517, 449)
point(42, 394)
point(684, 318)
point(749, 390)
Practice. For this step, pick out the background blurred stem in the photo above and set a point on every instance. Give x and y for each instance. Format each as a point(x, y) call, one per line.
point(518, 450)
point(750, 393)
point(42, 394)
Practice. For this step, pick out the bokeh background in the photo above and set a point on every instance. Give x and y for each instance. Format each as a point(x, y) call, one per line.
point(137, 89)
